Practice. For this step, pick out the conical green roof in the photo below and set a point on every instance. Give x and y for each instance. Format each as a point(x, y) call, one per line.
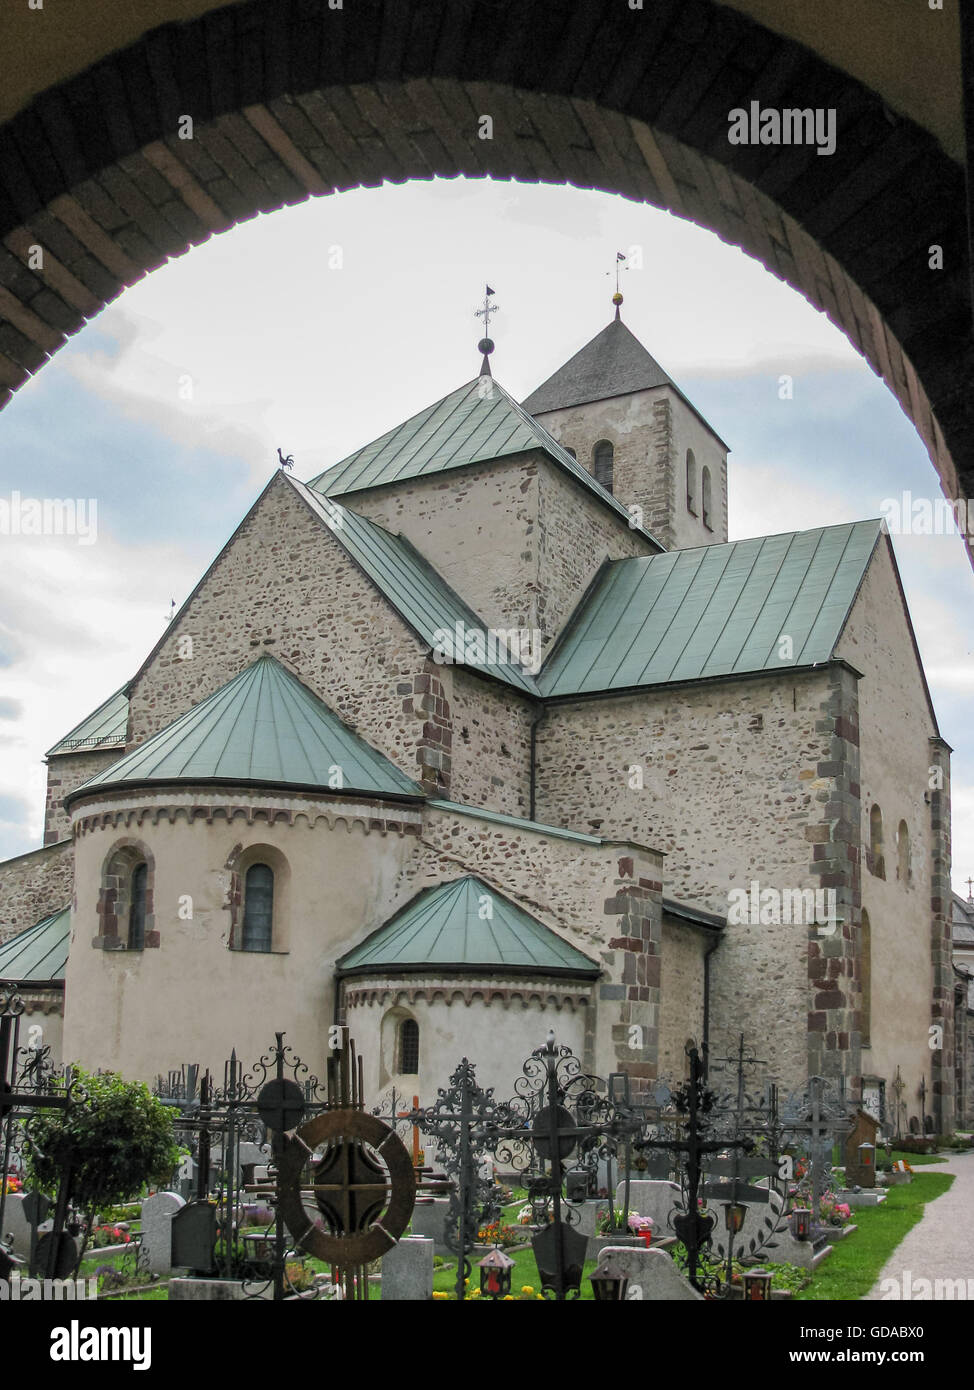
point(466, 925)
point(263, 727)
point(39, 954)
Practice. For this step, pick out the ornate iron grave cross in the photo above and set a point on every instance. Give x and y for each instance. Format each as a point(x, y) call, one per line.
point(821, 1118)
point(451, 1121)
point(696, 1102)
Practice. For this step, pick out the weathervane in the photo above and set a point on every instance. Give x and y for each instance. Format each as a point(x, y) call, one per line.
point(486, 344)
point(620, 264)
point(970, 890)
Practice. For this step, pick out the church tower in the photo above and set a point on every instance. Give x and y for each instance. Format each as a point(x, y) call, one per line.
point(615, 409)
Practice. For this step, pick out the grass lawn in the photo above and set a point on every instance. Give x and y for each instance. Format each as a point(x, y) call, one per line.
point(917, 1160)
point(854, 1265)
point(524, 1273)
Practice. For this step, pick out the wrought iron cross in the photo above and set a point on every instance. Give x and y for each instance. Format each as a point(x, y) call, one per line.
point(488, 309)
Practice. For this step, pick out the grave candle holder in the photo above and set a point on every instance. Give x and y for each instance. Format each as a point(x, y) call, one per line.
point(801, 1219)
point(495, 1274)
point(757, 1286)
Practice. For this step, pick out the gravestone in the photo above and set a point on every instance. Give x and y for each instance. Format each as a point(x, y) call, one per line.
point(16, 1219)
point(407, 1271)
point(654, 1198)
point(653, 1274)
point(193, 1237)
point(429, 1219)
point(864, 1130)
point(248, 1157)
point(185, 1183)
point(157, 1214)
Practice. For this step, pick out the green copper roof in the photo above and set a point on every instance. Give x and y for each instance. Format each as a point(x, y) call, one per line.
point(720, 610)
point(474, 424)
point(106, 727)
point(412, 586)
point(39, 954)
point(460, 808)
point(444, 927)
point(264, 726)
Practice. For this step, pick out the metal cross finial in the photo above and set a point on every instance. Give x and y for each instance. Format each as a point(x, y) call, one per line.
point(488, 309)
point(620, 264)
point(970, 890)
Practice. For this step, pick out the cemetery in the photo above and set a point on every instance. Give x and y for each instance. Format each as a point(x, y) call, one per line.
point(270, 1183)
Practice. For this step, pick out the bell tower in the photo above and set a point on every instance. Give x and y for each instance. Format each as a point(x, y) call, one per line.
point(614, 407)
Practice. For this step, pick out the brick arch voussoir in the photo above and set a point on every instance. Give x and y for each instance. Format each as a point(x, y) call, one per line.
point(291, 99)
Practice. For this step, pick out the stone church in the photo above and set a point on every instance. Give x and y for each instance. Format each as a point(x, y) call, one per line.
point(489, 730)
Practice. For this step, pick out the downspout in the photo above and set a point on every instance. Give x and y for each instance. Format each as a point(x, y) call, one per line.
point(542, 714)
point(705, 1049)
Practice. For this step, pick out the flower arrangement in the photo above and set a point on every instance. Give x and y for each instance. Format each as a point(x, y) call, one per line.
point(496, 1234)
point(834, 1213)
point(12, 1184)
point(109, 1235)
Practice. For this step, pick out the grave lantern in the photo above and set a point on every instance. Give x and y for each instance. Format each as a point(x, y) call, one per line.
point(801, 1219)
point(495, 1274)
point(757, 1286)
point(734, 1216)
point(867, 1156)
point(609, 1281)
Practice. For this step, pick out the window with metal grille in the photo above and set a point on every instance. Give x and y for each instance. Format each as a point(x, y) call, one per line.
point(258, 908)
point(602, 457)
point(140, 879)
point(409, 1047)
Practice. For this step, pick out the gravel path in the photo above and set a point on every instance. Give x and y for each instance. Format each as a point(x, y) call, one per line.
point(941, 1244)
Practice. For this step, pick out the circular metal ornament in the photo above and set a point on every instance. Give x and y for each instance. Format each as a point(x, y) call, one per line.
point(280, 1105)
point(346, 1131)
point(541, 1127)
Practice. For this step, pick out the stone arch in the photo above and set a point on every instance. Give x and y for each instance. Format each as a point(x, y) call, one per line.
point(289, 98)
point(391, 1040)
point(120, 867)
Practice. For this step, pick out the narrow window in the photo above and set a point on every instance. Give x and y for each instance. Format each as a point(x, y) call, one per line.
point(571, 451)
point(865, 978)
point(903, 870)
point(877, 861)
point(602, 457)
point(258, 908)
point(140, 879)
point(705, 499)
point(691, 483)
point(409, 1047)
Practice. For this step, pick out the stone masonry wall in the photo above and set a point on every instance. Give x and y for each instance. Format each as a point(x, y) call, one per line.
point(900, 767)
point(650, 433)
point(681, 1001)
point(730, 776)
point(65, 771)
point(34, 885)
point(491, 743)
point(517, 539)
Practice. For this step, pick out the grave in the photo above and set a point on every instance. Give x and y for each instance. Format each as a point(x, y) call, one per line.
point(864, 1131)
point(656, 1198)
point(17, 1213)
point(429, 1219)
point(158, 1211)
point(653, 1273)
point(407, 1271)
point(193, 1237)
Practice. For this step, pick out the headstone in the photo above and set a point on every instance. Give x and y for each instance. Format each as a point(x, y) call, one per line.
point(17, 1219)
point(653, 1273)
point(193, 1237)
point(653, 1198)
point(157, 1214)
point(429, 1219)
point(407, 1270)
point(186, 1178)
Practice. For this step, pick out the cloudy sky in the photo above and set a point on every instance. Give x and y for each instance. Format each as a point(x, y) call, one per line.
point(320, 327)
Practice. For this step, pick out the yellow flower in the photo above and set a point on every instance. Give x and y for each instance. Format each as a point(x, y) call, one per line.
point(527, 1288)
point(475, 1294)
point(440, 1293)
point(508, 1298)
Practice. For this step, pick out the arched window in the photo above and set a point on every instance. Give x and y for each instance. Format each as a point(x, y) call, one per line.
point(258, 919)
point(904, 871)
point(706, 499)
point(691, 483)
point(865, 978)
point(137, 899)
point(877, 863)
point(602, 456)
point(409, 1047)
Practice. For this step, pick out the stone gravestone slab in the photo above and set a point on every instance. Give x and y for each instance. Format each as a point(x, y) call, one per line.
point(653, 1198)
point(186, 1178)
point(157, 1214)
point(407, 1270)
point(16, 1219)
point(429, 1219)
point(653, 1273)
